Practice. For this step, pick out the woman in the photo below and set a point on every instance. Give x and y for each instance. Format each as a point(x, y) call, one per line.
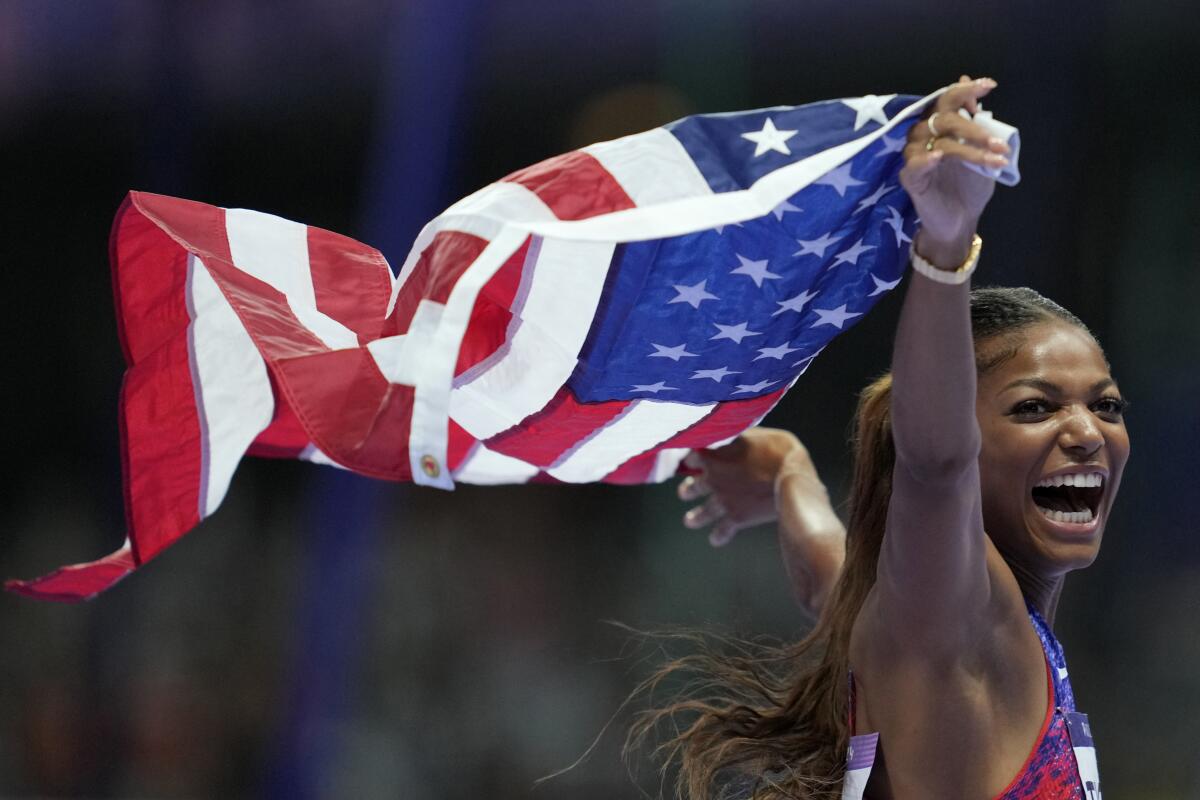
point(986, 467)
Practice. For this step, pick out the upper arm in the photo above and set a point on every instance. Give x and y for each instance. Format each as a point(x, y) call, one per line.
point(932, 582)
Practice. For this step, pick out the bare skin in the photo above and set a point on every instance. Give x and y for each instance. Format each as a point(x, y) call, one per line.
point(948, 667)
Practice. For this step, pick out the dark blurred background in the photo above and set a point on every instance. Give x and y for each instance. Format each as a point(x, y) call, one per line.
point(328, 637)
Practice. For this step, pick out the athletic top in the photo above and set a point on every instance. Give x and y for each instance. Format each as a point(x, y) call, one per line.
point(1062, 765)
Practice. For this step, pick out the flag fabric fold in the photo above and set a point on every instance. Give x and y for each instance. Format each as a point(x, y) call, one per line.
point(590, 318)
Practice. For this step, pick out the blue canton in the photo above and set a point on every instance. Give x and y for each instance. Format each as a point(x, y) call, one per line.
point(738, 312)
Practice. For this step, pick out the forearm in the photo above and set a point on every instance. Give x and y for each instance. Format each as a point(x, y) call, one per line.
point(933, 372)
point(811, 536)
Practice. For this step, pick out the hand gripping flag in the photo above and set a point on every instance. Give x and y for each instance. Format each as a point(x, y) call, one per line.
point(590, 318)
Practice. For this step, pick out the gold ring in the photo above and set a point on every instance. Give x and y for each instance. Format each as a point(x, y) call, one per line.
point(930, 143)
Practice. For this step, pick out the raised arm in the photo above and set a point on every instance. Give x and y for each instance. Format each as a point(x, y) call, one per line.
point(933, 585)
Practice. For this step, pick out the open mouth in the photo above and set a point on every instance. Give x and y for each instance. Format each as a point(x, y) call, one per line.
point(1073, 498)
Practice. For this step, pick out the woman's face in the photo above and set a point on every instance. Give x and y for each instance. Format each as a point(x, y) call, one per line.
point(1054, 445)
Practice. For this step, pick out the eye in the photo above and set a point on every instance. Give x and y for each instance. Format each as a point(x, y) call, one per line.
point(1034, 407)
point(1113, 407)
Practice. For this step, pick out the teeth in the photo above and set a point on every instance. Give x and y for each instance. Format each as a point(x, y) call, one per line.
point(1075, 517)
point(1091, 479)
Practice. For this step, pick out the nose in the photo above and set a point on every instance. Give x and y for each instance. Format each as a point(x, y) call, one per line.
point(1080, 435)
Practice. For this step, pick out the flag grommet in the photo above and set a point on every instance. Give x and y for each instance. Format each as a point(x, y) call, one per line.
point(430, 467)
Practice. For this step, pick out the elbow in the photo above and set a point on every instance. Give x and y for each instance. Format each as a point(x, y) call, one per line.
point(940, 463)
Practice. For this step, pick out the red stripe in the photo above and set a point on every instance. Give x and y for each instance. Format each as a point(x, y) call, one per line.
point(350, 411)
point(352, 282)
point(264, 312)
point(634, 471)
point(491, 315)
point(574, 186)
point(160, 424)
point(433, 276)
point(285, 437)
point(458, 446)
point(542, 438)
point(727, 419)
point(78, 581)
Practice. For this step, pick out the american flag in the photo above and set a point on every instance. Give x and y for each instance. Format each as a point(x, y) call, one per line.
point(590, 318)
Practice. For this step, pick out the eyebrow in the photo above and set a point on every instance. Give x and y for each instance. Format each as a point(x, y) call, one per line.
point(1053, 388)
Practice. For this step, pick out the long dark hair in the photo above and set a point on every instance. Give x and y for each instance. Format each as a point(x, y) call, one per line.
point(770, 721)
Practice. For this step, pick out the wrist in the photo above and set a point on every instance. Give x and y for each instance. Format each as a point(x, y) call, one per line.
point(946, 253)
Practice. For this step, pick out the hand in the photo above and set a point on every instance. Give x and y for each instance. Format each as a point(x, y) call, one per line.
point(947, 197)
point(739, 482)
point(763, 475)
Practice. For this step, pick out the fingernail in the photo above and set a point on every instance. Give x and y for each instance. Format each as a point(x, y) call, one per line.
point(986, 82)
point(997, 160)
point(999, 144)
point(936, 155)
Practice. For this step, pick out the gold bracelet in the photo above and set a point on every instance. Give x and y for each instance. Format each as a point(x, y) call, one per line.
point(948, 276)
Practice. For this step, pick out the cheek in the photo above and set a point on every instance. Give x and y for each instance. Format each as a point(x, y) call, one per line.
point(1007, 459)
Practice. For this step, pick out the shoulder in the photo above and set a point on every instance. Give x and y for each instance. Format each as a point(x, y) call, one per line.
point(988, 698)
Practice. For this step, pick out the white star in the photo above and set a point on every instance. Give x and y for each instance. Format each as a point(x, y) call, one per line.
point(850, 254)
point(816, 246)
point(754, 387)
point(673, 353)
point(757, 270)
point(833, 316)
point(784, 208)
point(692, 295)
point(897, 223)
point(661, 386)
point(734, 332)
point(839, 179)
point(796, 303)
point(770, 138)
point(775, 352)
point(714, 374)
point(869, 108)
point(890, 146)
point(883, 286)
point(867, 202)
point(720, 229)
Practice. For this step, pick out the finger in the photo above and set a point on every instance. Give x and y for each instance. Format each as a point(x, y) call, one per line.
point(723, 533)
point(704, 514)
point(968, 153)
point(965, 95)
point(967, 131)
point(919, 167)
point(693, 488)
point(973, 104)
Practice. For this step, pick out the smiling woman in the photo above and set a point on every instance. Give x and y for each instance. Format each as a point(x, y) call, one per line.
point(986, 466)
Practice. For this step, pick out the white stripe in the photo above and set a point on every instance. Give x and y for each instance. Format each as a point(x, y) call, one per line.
point(487, 467)
point(315, 455)
point(667, 464)
point(435, 372)
point(482, 213)
point(397, 356)
point(275, 251)
point(643, 425)
point(652, 167)
point(235, 396)
point(544, 341)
